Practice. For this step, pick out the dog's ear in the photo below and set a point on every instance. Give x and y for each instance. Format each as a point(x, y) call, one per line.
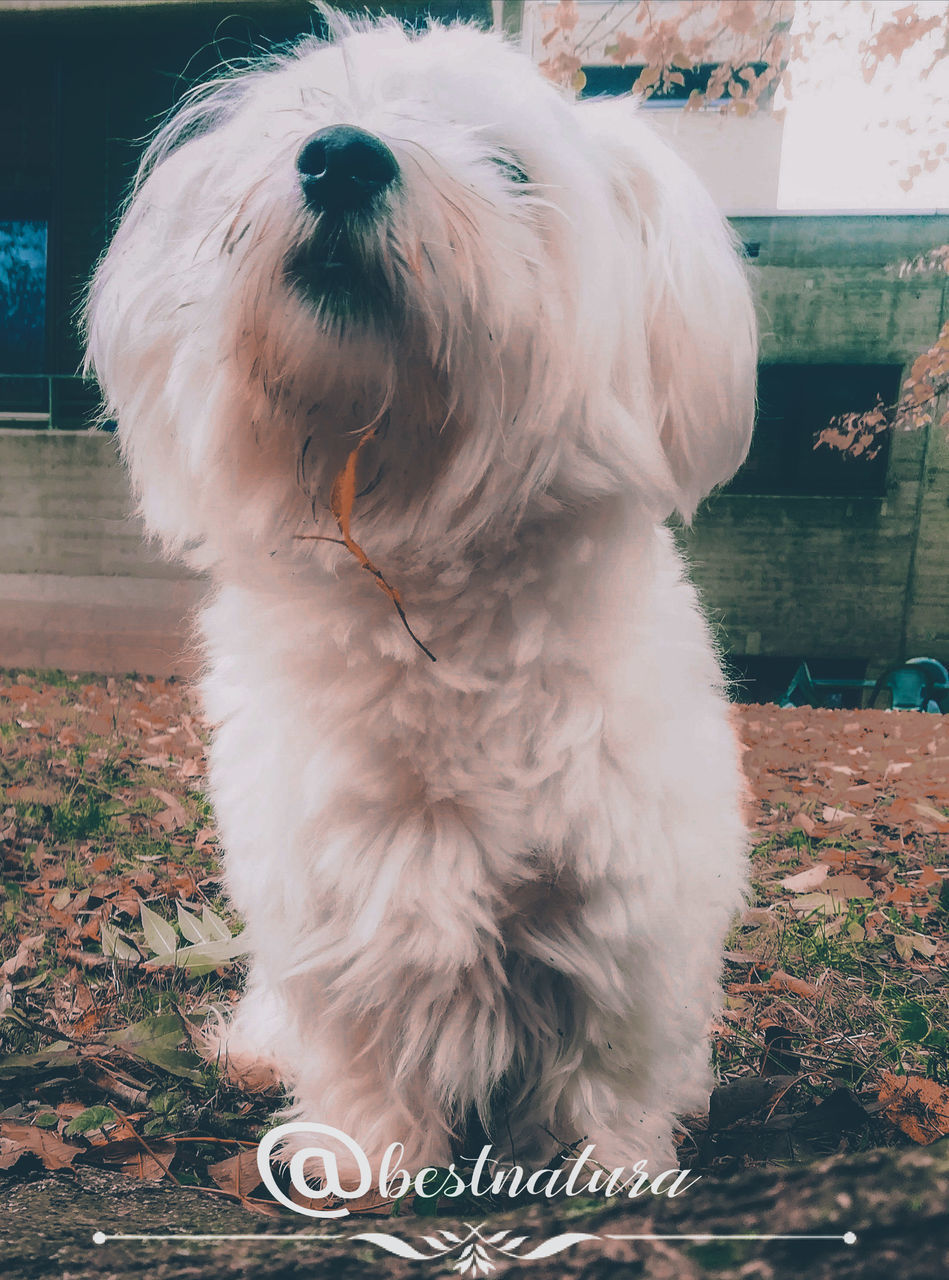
point(699, 319)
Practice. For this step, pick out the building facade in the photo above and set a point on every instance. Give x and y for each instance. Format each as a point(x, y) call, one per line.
point(805, 555)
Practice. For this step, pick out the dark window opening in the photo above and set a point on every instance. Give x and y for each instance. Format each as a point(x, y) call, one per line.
point(795, 403)
point(613, 81)
point(60, 401)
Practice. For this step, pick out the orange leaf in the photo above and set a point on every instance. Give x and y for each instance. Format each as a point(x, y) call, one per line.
point(238, 1175)
point(133, 1159)
point(781, 981)
point(918, 1106)
point(806, 824)
point(22, 1138)
point(342, 500)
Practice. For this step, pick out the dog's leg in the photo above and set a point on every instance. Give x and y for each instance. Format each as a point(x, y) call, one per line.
point(613, 1025)
point(383, 1073)
point(251, 1045)
point(400, 1036)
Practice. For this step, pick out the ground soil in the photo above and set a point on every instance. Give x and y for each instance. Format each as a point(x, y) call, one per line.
point(895, 1201)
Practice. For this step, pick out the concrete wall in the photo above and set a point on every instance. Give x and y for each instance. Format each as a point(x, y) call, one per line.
point(928, 593)
point(827, 287)
point(79, 587)
point(831, 577)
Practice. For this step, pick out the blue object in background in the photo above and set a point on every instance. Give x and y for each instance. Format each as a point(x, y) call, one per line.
point(22, 297)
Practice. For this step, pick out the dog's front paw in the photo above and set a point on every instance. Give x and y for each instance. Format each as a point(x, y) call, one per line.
point(245, 1059)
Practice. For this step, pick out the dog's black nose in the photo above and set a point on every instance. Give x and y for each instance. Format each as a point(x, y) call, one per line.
point(343, 169)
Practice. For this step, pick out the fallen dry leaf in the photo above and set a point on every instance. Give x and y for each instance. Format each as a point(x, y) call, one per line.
point(25, 955)
point(918, 1106)
point(846, 886)
point(837, 817)
point(910, 944)
point(237, 1175)
point(24, 1139)
point(129, 1155)
point(823, 903)
point(173, 815)
point(805, 881)
point(781, 981)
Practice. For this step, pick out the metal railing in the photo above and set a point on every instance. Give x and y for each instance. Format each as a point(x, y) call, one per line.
point(48, 401)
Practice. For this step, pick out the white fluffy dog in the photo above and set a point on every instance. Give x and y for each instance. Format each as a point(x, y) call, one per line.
point(397, 336)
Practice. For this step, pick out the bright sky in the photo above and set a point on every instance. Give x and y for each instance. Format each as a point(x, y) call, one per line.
point(843, 145)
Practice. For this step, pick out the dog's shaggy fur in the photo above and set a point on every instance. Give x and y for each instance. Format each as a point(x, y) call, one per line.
point(494, 886)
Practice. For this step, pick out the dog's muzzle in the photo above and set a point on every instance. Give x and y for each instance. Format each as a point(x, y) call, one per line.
point(344, 169)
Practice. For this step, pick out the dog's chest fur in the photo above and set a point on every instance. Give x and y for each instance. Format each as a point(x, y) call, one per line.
point(518, 736)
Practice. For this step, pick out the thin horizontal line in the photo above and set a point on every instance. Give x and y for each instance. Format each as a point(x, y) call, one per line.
point(101, 1238)
point(847, 1238)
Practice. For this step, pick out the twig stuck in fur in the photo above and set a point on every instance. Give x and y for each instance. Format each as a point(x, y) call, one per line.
point(342, 498)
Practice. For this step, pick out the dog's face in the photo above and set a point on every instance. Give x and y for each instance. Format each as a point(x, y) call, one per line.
point(530, 303)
